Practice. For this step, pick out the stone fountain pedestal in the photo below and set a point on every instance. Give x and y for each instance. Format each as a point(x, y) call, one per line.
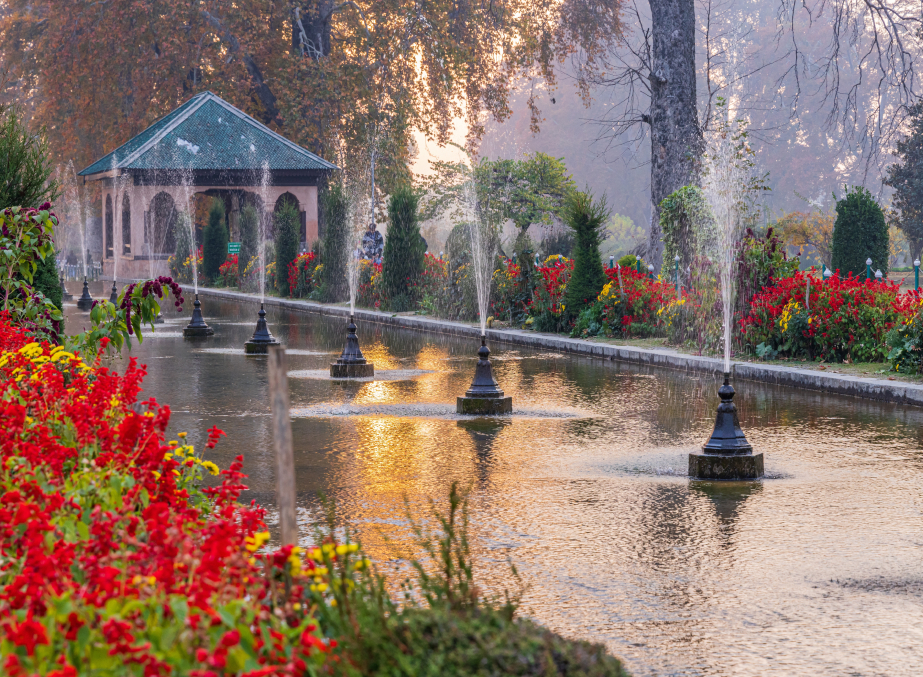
point(352, 363)
point(197, 327)
point(727, 455)
point(484, 397)
point(262, 338)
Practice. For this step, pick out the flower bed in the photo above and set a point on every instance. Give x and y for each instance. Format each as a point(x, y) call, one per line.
point(116, 559)
point(302, 274)
point(844, 318)
point(227, 272)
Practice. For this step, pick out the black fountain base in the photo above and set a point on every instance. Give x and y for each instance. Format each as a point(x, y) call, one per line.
point(197, 329)
point(352, 363)
point(484, 397)
point(261, 340)
point(352, 370)
point(484, 406)
point(159, 319)
point(65, 295)
point(727, 455)
point(85, 302)
point(724, 467)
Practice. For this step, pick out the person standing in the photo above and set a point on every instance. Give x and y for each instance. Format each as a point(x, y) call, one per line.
point(373, 244)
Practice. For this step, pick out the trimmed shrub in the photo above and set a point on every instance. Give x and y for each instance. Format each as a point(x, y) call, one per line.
point(334, 285)
point(587, 219)
point(214, 240)
point(860, 233)
point(403, 258)
point(287, 225)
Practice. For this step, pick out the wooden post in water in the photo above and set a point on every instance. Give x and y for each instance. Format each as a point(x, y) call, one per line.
point(282, 442)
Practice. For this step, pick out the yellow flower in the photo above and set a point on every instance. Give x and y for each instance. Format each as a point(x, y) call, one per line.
point(210, 467)
point(182, 436)
point(255, 542)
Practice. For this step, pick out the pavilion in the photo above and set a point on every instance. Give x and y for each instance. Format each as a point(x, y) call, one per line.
point(206, 146)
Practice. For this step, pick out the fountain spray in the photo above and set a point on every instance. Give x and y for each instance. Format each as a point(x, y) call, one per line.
point(197, 328)
point(484, 397)
point(727, 454)
point(262, 338)
point(352, 363)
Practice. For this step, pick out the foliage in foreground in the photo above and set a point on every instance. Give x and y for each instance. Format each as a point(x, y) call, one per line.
point(120, 561)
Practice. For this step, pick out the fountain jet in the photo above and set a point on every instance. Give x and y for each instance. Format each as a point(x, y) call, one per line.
point(85, 302)
point(484, 397)
point(197, 327)
point(261, 340)
point(352, 363)
point(727, 455)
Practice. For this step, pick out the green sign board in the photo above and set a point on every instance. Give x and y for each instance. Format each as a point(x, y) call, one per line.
point(233, 247)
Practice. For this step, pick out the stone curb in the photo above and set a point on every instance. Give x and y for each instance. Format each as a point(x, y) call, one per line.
point(839, 384)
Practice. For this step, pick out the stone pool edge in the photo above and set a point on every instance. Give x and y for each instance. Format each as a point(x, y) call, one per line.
point(808, 379)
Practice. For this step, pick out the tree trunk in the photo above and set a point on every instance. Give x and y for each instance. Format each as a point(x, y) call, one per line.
point(676, 139)
point(314, 19)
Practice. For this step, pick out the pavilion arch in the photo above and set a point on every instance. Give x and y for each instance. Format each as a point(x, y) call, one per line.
point(160, 229)
point(289, 199)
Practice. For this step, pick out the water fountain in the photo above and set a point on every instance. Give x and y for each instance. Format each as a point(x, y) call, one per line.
point(65, 295)
point(352, 363)
point(727, 455)
point(197, 328)
point(262, 338)
point(484, 397)
point(85, 302)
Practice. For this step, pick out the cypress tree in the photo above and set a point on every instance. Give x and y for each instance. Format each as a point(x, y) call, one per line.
point(403, 260)
point(214, 240)
point(46, 279)
point(587, 219)
point(860, 233)
point(335, 244)
point(249, 238)
point(287, 225)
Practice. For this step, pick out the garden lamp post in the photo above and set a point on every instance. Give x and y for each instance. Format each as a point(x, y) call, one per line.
point(676, 273)
point(514, 258)
point(916, 275)
point(868, 269)
point(638, 266)
point(537, 261)
point(650, 271)
point(827, 274)
point(611, 262)
point(878, 275)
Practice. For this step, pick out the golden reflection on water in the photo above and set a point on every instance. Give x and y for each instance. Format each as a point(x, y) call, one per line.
point(813, 571)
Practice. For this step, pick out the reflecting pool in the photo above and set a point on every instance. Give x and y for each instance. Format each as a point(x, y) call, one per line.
point(816, 570)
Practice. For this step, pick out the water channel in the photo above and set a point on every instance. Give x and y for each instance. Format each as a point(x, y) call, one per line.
point(816, 570)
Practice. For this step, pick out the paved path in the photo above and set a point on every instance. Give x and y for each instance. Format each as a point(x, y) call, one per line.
point(840, 384)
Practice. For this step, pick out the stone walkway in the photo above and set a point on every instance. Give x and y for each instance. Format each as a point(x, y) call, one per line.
point(840, 384)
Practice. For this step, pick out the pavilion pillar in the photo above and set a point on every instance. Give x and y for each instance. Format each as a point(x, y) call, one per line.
point(234, 217)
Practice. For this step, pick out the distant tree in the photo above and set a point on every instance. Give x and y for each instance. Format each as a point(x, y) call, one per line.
point(525, 191)
point(906, 178)
point(249, 237)
point(215, 240)
point(335, 244)
point(287, 226)
point(809, 229)
point(587, 218)
point(860, 233)
point(403, 261)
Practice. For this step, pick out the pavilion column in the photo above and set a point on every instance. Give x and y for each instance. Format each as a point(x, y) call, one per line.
point(234, 217)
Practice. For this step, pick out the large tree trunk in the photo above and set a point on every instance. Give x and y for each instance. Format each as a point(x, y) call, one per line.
point(676, 139)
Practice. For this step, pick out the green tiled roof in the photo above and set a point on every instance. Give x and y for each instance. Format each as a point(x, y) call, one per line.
point(208, 133)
